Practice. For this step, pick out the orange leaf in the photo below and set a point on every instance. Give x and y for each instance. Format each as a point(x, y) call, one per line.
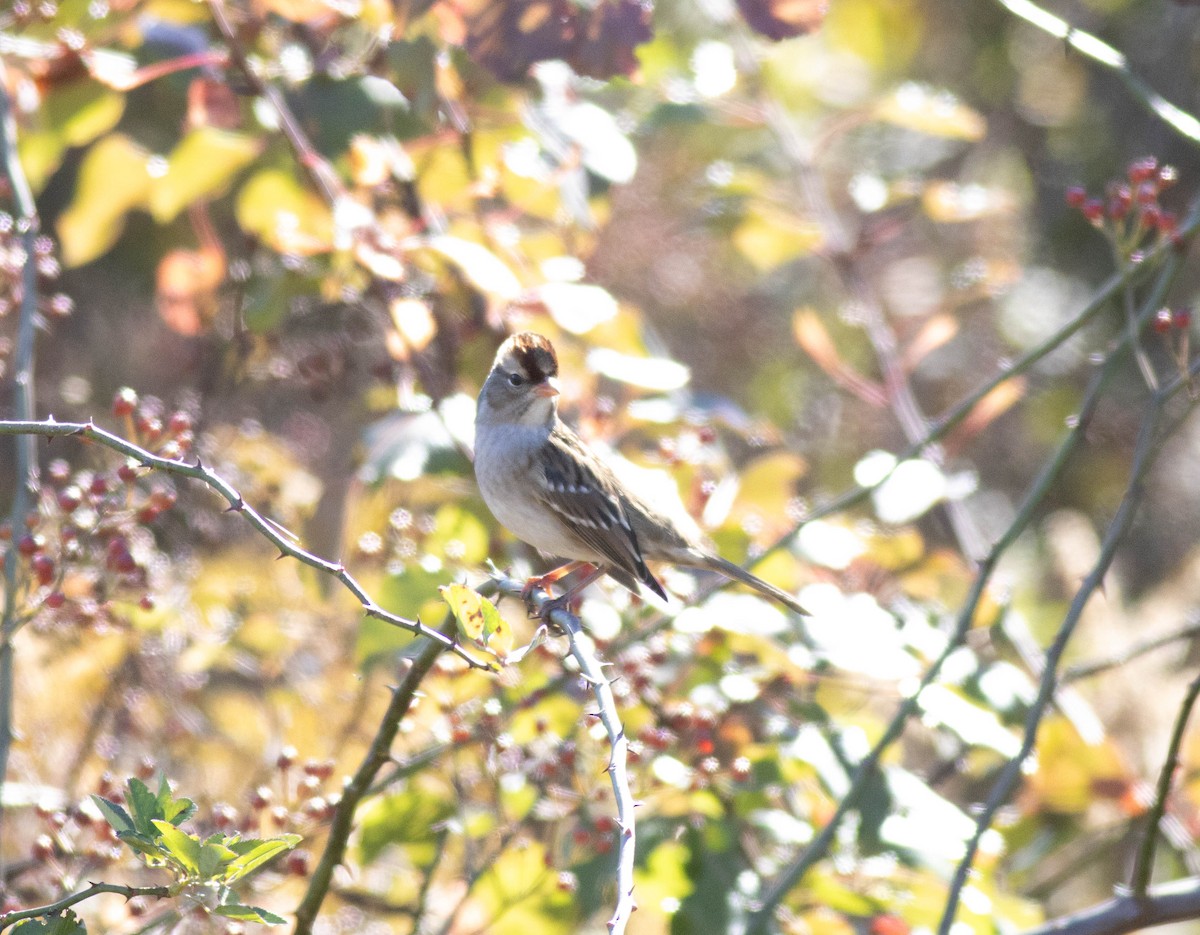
point(812, 336)
point(186, 288)
point(938, 330)
point(986, 411)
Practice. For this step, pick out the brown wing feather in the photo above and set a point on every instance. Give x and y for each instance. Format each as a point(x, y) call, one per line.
point(588, 498)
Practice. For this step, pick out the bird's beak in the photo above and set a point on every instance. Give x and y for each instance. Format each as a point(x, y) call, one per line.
point(547, 389)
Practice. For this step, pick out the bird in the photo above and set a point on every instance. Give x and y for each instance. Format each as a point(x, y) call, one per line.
point(550, 489)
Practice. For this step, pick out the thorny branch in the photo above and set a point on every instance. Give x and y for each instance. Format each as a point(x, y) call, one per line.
point(819, 847)
point(22, 395)
point(1143, 458)
point(270, 530)
point(39, 912)
point(591, 670)
point(359, 785)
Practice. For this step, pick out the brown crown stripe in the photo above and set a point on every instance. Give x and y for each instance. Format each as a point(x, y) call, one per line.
point(535, 356)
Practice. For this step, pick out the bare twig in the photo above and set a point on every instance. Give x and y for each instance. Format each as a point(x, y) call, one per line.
point(360, 784)
point(273, 532)
point(1144, 455)
point(129, 892)
point(1143, 866)
point(1172, 902)
point(319, 171)
point(820, 845)
point(1140, 648)
point(1105, 55)
point(26, 460)
point(591, 669)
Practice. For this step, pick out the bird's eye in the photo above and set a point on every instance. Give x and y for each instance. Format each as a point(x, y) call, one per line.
point(515, 379)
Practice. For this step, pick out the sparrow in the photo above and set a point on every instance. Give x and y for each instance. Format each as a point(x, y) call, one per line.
point(547, 487)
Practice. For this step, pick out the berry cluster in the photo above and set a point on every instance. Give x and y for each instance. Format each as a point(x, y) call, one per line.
point(1131, 212)
point(295, 801)
point(87, 542)
point(51, 304)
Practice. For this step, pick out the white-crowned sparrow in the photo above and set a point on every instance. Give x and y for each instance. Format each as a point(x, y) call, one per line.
point(544, 484)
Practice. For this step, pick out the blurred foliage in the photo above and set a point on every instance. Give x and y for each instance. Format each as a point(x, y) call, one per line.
point(771, 241)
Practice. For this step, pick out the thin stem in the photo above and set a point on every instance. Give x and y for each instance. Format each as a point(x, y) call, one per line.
point(1140, 648)
point(129, 892)
point(1106, 56)
point(357, 788)
point(23, 407)
point(1173, 902)
point(591, 669)
point(323, 178)
point(273, 532)
point(820, 845)
point(1144, 865)
point(1144, 454)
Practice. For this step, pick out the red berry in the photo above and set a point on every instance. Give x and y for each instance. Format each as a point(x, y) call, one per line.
point(1151, 216)
point(1147, 193)
point(319, 769)
point(297, 863)
point(1076, 196)
point(43, 568)
point(1093, 210)
point(1142, 170)
point(147, 514)
point(99, 486)
point(124, 402)
point(55, 600)
point(59, 472)
point(27, 545)
point(1168, 223)
point(1167, 176)
point(43, 848)
point(1181, 318)
point(146, 602)
point(287, 758)
point(179, 422)
point(567, 882)
point(69, 498)
point(162, 499)
point(125, 564)
point(261, 797)
point(1162, 320)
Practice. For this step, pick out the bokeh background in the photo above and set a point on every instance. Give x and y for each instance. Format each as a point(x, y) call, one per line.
point(774, 242)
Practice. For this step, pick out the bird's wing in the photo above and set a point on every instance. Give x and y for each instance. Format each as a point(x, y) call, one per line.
point(587, 497)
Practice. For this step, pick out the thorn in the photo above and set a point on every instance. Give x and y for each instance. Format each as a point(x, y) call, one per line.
point(282, 554)
point(593, 714)
point(200, 465)
point(627, 832)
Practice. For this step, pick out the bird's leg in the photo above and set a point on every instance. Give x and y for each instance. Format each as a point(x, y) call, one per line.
point(585, 575)
point(551, 577)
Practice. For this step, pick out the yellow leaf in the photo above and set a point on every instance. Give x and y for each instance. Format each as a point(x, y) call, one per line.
point(931, 111)
point(951, 203)
point(288, 217)
point(768, 238)
point(201, 166)
point(478, 619)
point(112, 180)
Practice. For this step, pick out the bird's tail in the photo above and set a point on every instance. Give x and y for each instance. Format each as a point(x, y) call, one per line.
point(737, 573)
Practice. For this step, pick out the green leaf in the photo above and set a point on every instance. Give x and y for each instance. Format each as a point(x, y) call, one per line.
point(478, 619)
point(174, 810)
point(249, 914)
point(409, 818)
point(258, 854)
point(144, 845)
point(66, 924)
point(145, 807)
point(114, 814)
point(82, 111)
point(214, 855)
point(113, 180)
point(183, 847)
point(202, 166)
